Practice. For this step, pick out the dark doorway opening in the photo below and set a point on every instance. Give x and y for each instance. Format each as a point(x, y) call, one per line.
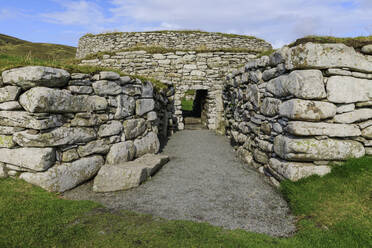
point(195, 117)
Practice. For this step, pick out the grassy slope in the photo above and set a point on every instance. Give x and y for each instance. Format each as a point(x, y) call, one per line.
point(333, 211)
point(17, 47)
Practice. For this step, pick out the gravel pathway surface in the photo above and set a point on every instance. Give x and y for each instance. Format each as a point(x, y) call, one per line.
point(203, 182)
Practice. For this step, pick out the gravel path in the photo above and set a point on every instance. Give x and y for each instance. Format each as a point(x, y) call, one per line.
point(203, 182)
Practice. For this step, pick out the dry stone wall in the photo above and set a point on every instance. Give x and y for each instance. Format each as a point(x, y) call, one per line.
point(186, 70)
point(91, 44)
point(57, 130)
point(293, 113)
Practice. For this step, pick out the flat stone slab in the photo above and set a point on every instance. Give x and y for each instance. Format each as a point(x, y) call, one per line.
point(129, 174)
point(203, 182)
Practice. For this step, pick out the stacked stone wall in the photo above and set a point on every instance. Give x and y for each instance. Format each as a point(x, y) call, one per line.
point(57, 130)
point(186, 70)
point(91, 44)
point(294, 113)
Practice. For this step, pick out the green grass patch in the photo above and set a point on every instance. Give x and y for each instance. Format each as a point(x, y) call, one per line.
point(333, 211)
point(357, 42)
point(16, 47)
point(187, 105)
point(178, 32)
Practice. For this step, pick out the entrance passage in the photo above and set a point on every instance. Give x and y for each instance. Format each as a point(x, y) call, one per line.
point(194, 109)
point(203, 182)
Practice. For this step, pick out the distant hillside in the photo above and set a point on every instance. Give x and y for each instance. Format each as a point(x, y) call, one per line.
point(16, 47)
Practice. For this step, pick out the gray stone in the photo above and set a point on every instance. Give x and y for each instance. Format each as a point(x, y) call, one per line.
point(348, 89)
point(32, 76)
point(121, 152)
point(152, 116)
point(296, 171)
point(345, 108)
point(367, 132)
point(45, 100)
point(322, 129)
point(70, 155)
point(270, 106)
point(148, 144)
point(110, 129)
point(134, 128)
point(57, 137)
point(367, 49)
point(317, 150)
point(277, 128)
point(132, 90)
point(36, 159)
point(75, 76)
point(364, 104)
point(368, 152)
point(147, 90)
point(109, 75)
point(128, 175)
point(6, 141)
point(126, 106)
point(325, 56)
point(362, 125)
point(253, 95)
point(3, 171)
point(9, 93)
point(355, 116)
point(81, 89)
point(10, 130)
point(9, 106)
point(307, 110)
point(27, 120)
point(65, 176)
point(95, 147)
point(338, 72)
point(125, 80)
point(144, 106)
point(88, 120)
point(260, 156)
point(107, 88)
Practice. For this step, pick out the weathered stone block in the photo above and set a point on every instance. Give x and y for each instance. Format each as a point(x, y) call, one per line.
point(367, 132)
point(355, 116)
point(144, 106)
point(126, 106)
point(307, 110)
point(270, 106)
point(32, 76)
point(322, 129)
point(110, 129)
point(107, 88)
point(45, 100)
point(296, 171)
point(9, 106)
point(27, 120)
point(317, 150)
point(108, 75)
point(95, 147)
point(9, 93)
point(57, 137)
point(121, 152)
point(134, 128)
point(70, 155)
point(6, 141)
point(65, 176)
point(37, 159)
point(348, 89)
point(88, 119)
point(148, 144)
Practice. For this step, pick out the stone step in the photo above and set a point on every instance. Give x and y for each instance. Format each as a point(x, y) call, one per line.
point(128, 175)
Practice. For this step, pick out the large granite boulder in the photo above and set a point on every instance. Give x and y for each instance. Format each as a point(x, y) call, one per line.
point(36, 159)
point(304, 84)
point(148, 144)
point(32, 76)
point(27, 120)
point(128, 175)
point(297, 109)
point(301, 128)
point(296, 171)
point(121, 152)
point(325, 56)
point(57, 137)
point(293, 149)
point(348, 89)
point(9, 93)
point(134, 128)
point(65, 176)
point(46, 100)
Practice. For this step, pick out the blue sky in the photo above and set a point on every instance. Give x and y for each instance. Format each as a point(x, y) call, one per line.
point(279, 22)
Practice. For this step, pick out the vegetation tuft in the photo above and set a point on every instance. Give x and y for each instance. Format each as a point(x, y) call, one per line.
point(332, 211)
point(357, 42)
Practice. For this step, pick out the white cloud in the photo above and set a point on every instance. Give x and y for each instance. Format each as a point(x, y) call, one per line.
point(279, 22)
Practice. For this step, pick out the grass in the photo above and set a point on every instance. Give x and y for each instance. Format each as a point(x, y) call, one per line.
point(187, 105)
point(333, 211)
point(178, 31)
point(16, 47)
point(357, 42)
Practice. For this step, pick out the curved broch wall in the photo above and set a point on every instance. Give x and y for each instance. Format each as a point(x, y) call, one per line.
point(57, 130)
point(293, 113)
point(182, 40)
